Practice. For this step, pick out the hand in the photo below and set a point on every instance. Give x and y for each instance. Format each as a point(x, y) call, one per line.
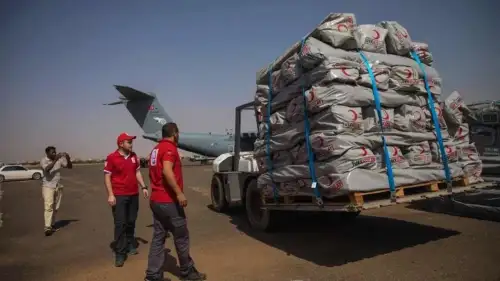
point(59, 155)
point(145, 193)
point(182, 199)
point(111, 200)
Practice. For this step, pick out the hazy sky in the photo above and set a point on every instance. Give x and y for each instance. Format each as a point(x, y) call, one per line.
point(60, 59)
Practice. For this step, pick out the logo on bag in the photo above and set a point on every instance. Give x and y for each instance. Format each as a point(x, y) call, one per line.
point(353, 124)
point(333, 183)
point(344, 71)
point(341, 27)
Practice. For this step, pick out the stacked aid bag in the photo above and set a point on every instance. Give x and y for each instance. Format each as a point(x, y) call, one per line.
point(324, 105)
point(455, 113)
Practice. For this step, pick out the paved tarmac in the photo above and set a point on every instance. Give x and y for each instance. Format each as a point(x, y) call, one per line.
point(402, 242)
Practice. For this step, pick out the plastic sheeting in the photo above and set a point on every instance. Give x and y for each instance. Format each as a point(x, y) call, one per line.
point(324, 85)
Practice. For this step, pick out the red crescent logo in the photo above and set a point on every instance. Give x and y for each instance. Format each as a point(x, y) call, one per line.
point(354, 115)
point(343, 69)
point(377, 34)
point(448, 150)
point(404, 34)
point(386, 115)
point(409, 73)
point(395, 152)
point(422, 149)
point(459, 132)
point(344, 27)
point(365, 152)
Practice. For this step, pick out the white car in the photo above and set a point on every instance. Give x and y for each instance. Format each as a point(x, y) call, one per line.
point(18, 172)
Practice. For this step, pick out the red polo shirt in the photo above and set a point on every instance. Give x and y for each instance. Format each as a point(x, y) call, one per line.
point(161, 192)
point(122, 170)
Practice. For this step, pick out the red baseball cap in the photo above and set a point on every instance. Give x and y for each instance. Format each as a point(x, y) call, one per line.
point(124, 137)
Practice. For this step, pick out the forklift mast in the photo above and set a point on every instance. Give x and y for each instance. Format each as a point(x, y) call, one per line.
point(237, 130)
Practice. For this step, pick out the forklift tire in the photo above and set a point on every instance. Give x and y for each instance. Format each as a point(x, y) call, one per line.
point(218, 195)
point(258, 218)
point(349, 215)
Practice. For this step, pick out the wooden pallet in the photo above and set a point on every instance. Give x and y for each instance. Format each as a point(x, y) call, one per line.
point(359, 198)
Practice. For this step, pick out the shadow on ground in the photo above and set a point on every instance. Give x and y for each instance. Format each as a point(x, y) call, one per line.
point(482, 205)
point(138, 242)
point(326, 240)
point(64, 223)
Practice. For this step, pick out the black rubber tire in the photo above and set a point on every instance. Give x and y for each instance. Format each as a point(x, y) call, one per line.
point(217, 194)
point(36, 176)
point(258, 218)
point(348, 216)
point(2, 178)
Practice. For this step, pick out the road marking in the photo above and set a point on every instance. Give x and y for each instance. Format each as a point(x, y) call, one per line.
point(203, 191)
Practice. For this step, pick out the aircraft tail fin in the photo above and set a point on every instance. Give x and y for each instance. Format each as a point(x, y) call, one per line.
point(144, 107)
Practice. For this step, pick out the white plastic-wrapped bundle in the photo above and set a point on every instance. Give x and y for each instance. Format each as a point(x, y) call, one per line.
point(455, 112)
point(322, 100)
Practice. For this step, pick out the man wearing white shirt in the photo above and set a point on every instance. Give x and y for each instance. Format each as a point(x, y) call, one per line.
point(52, 190)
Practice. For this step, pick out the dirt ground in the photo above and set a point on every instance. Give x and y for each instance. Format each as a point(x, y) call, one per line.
point(394, 243)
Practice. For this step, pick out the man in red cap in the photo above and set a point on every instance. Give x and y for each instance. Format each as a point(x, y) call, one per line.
point(122, 176)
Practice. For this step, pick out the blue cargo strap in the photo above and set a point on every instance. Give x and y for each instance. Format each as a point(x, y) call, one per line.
point(307, 129)
point(435, 120)
point(378, 107)
point(268, 135)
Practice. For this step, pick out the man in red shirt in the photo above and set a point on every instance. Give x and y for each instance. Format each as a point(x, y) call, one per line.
point(121, 176)
point(167, 203)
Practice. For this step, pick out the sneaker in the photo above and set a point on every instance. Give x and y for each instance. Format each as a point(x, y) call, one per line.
point(194, 275)
point(119, 260)
point(49, 232)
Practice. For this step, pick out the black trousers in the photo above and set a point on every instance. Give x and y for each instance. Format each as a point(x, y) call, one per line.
point(125, 215)
point(168, 217)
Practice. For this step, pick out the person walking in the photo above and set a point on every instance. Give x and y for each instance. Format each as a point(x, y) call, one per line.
point(52, 189)
point(167, 203)
point(122, 176)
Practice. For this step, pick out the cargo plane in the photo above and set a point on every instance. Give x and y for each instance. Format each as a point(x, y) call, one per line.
point(151, 116)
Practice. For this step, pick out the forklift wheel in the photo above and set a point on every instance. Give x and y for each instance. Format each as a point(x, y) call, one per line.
point(348, 216)
point(218, 195)
point(257, 217)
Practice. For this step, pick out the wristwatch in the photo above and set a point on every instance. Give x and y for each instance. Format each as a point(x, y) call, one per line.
point(144, 187)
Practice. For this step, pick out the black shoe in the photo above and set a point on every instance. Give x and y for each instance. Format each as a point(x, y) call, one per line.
point(49, 232)
point(194, 275)
point(120, 260)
